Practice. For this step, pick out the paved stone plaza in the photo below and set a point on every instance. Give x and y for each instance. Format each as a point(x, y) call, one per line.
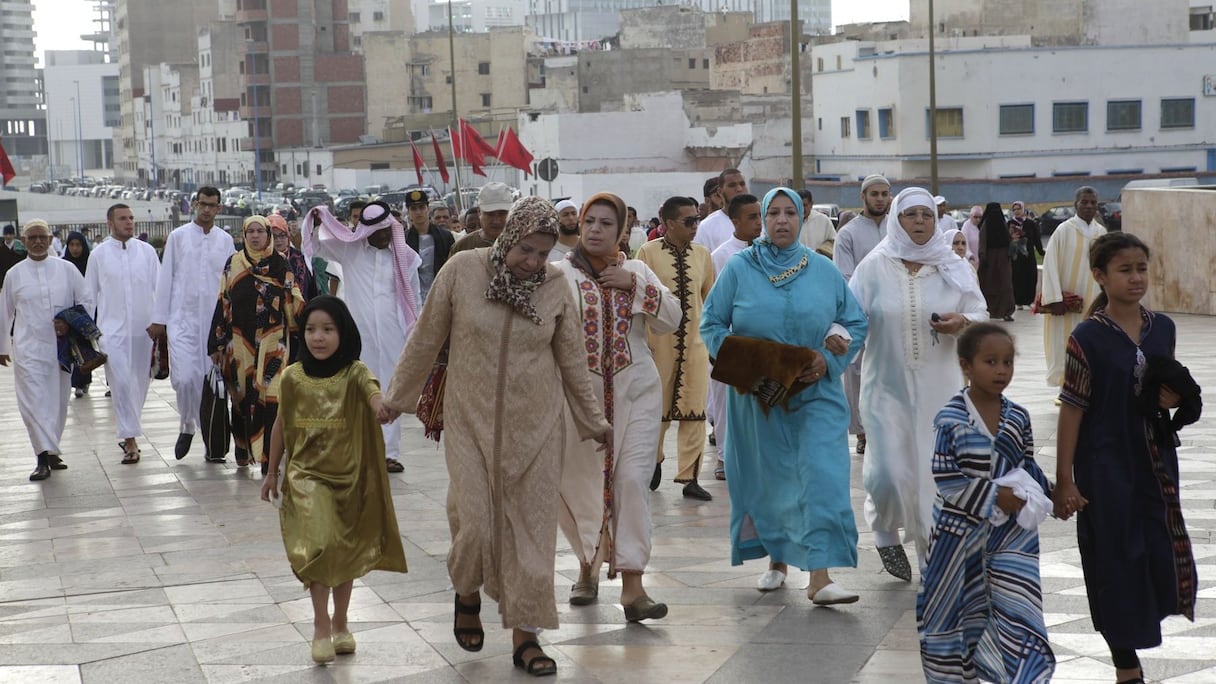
point(171, 571)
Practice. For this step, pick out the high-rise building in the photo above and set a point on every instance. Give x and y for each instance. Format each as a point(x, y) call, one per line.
point(148, 33)
point(82, 110)
point(302, 85)
point(586, 20)
point(22, 123)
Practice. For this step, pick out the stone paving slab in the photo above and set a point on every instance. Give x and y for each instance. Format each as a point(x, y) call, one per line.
point(174, 571)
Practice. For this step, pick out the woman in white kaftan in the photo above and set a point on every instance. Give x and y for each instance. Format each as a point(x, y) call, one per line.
point(605, 511)
point(911, 368)
point(34, 291)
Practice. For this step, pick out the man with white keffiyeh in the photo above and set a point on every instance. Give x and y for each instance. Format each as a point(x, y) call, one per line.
point(380, 285)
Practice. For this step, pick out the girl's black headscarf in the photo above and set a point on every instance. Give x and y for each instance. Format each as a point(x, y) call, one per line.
point(350, 345)
point(81, 262)
point(994, 227)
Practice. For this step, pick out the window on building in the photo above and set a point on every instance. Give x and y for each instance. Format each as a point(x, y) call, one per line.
point(949, 122)
point(863, 124)
point(483, 68)
point(353, 17)
point(839, 63)
point(1178, 112)
point(886, 123)
point(819, 123)
point(1202, 18)
point(1017, 119)
point(357, 40)
point(705, 63)
point(818, 64)
point(845, 122)
point(1069, 117)
point(692, 62)
point(485, 99)
point(379, 166)
point(377, 16)
point(1123, 115)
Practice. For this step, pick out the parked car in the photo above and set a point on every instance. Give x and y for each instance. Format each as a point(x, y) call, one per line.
point(1053, 217)
point(1111, 214)
point(831, 210)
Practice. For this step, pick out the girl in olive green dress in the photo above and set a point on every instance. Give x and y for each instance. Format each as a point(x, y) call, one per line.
point(336, 510)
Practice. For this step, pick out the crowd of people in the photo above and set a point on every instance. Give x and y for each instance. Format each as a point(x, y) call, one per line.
point(550, 346)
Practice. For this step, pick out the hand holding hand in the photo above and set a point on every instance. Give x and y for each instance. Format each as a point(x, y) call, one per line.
point(605, 440)
point(386, 415)
point(949, 323)
point(837, 345)
point(61, 328)
point(1067, 499)
point(616, 278)
point(815, 372)
point(156, 331)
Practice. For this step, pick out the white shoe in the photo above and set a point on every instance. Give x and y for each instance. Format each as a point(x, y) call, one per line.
point(771, 580)
point(833, 594)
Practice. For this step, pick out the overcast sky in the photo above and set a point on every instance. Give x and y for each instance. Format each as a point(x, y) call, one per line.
point(60, 23)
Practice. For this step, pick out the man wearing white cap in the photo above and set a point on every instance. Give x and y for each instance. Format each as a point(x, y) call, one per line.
point(382, 288)
point(567, 230)
point(944, 222)
point(853, 242)
point(493, 203)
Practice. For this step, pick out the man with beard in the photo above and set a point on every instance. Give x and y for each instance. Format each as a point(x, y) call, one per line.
point(717, 228)
point(381, 289)
point(567, 230)
point(186, 293)
point(34, 291)
point(853, 242)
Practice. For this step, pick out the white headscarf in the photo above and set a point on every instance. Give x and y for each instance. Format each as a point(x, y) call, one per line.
point(950, 240)
point(937, 252)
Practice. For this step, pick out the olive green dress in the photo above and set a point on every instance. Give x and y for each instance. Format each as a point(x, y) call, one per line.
point(337, 517)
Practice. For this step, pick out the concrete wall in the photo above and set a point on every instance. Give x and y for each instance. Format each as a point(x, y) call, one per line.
point(1059, 22)
point(758, 65)
point(876, 76)
point(1176, 224)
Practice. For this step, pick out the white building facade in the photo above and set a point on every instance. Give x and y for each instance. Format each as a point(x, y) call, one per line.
point(82, 109)
point(1010, 110)
point(581, 20)
point(477, 16)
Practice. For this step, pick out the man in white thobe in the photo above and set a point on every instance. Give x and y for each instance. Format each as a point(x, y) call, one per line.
point(121, 279)
point(944, 220)
point(717, 227)
point(369, 291)
point(34, 291)
point(186, 294)
point(817, 233)
point(1066, 272)
point(853, 242)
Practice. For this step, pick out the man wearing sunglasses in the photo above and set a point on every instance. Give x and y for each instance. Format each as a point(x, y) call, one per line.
point(186, 293)
point(687, 269)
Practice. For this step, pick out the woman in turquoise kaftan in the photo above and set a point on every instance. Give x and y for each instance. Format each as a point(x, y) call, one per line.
point(788, 468)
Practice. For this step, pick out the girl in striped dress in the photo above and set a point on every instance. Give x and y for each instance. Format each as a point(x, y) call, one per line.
point(980, 608)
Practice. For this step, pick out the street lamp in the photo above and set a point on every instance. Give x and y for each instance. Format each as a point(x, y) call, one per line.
point(79, 135)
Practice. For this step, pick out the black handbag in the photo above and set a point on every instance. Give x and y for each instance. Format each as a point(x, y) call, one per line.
point(214, 416)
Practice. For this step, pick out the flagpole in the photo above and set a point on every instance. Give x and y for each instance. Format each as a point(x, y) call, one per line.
point(498, 151)
point(455, 125)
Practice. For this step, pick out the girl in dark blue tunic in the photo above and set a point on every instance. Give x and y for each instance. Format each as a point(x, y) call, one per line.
point(1116, 467)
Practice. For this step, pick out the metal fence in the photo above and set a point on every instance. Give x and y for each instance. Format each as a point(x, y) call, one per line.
point(158, 231)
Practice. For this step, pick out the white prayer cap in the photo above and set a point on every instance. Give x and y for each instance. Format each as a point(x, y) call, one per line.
point(939, 200)
point(874, 179)
point(565, 204)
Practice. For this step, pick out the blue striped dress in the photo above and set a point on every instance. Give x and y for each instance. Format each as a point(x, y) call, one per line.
point(979, 611)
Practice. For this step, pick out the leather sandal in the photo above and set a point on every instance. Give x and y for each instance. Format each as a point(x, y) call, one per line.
point(394, 466)
point(861, 444)
point(130, 457)
point(584, 593)
point(465, 636)
point(645, 608)
point(538, 665)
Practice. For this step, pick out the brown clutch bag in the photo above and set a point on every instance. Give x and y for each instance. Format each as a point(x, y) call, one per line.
point(768, 370)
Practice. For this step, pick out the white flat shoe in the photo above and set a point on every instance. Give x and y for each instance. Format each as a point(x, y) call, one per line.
point(833, 594)
point(771, 580)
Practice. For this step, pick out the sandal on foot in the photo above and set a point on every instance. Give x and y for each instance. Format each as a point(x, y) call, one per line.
point(861, 444)
point(394, 466)
point(644, 608)
point(895, 561)
point(130, 457)
point(584, 593)
point(537, 666)
point(465, 636)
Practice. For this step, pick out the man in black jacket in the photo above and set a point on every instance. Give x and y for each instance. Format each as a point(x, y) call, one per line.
point(432, 243)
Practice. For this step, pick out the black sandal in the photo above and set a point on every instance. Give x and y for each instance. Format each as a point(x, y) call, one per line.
point(535, 665)
point(861, 444)
point(466, 635)
point(130, 457)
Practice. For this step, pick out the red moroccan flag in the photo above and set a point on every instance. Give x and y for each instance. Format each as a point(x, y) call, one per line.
point(418, 163)
point(7, 172)
point(512, 152)
point(443, 168)
point(474, 145)
point(459, 147)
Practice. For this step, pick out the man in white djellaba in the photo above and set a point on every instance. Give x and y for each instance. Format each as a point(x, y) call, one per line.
point(122, 279)
point(186, 292)
point(34, 291)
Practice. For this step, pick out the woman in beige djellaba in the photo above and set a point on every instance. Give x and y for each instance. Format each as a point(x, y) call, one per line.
point(516, 359)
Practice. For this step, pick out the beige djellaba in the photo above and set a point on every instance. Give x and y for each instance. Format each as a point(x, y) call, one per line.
point(507, 381)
